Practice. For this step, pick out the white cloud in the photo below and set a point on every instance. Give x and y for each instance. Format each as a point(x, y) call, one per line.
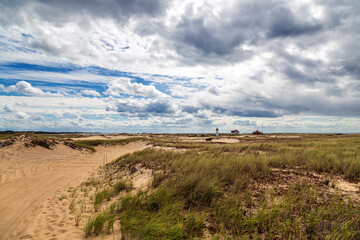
point(25, 88)
point(37, 118)
point(277, 58)
point(8, 108)
point(125, 86)
point(21, 115)
point(90, 93)
point(182, 91)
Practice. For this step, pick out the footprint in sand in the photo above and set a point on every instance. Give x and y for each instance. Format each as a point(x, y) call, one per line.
point(26, 236)
point(62, 231)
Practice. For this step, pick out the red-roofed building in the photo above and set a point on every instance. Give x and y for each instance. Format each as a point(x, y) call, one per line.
point(234, 132)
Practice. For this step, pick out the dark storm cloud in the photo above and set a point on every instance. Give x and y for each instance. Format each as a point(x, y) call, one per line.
point(255, 113)
point(318, 102)
point(249, 22)
point(215, 38)
point(190, 109)
point(231, 110)
point(159, 107)
point(284, 23)
point(68, 10)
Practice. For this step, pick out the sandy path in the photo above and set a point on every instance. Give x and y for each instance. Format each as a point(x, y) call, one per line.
point(22, 200)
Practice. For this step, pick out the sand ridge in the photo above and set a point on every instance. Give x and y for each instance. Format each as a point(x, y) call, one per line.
point(39, 176)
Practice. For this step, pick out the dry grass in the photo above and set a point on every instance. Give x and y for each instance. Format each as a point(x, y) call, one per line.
point(269, 190)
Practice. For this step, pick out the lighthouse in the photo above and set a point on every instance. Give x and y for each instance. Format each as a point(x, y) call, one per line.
point(217, 132)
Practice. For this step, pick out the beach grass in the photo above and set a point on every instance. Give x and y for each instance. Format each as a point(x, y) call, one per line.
point(250, 190)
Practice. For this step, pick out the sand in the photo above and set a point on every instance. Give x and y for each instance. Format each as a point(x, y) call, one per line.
point(32, 181)
point(105, 137)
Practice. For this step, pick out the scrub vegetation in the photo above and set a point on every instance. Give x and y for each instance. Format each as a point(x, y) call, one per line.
point(261, 188)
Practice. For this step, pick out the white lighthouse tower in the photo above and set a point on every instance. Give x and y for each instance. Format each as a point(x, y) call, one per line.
point(217, 132)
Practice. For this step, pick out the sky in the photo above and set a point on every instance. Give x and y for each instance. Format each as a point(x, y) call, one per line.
point(179, 66)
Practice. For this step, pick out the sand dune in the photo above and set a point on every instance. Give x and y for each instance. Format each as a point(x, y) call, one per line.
point(103, 137)
point(33, 178)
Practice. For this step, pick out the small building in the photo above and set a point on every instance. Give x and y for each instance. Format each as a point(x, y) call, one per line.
point(217, 132)
point(234, 132)
point(257, 132)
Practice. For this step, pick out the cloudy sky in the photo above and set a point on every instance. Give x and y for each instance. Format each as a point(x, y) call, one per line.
point(180, 66)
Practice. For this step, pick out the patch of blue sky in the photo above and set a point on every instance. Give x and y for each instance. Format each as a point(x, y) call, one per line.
point(7, 82)
point(67, 68)
point(20, 66)
point(125, 95)
point(26, 35)
point(106, 45)
point(15, 94)
point(118, 117)
point(165, 88)
point(26, 50)
point(50, 117)
point(94, 116)
point(77, 85)
point(74, 87)
point(66, 116)
point(139, 80)
point(110, 72)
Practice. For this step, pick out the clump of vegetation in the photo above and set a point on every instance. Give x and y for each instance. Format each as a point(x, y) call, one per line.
point(33, 141)
point(120, 186)
point(79, 146)
point(62, 197)
point(72, 206)
point(105, 219)
point(157, 179)
point(77, 219)
point(92, 181)
point(30, 140)
point(108, 193)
